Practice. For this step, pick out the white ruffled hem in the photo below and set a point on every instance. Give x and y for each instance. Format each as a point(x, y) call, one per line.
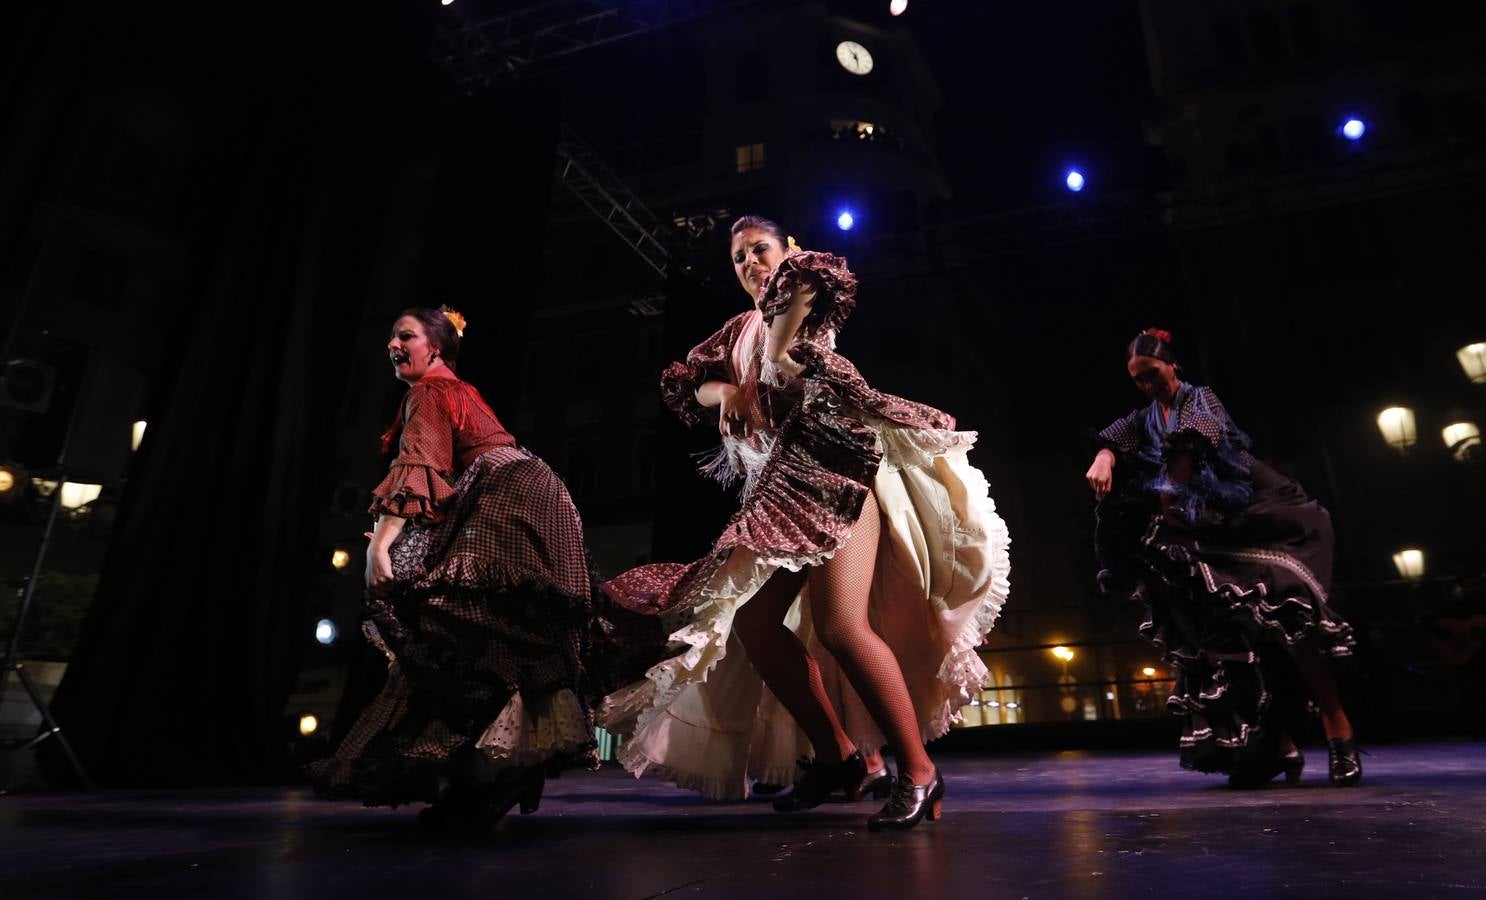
point(961, 674)
point(527, 734)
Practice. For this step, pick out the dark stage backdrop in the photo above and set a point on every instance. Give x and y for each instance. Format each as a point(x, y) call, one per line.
point(306, 114)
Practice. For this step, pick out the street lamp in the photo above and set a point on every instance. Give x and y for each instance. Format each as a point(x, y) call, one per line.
point(1460, 437)
point(1409, 562)
point(1397, 425)
point(1473, 360)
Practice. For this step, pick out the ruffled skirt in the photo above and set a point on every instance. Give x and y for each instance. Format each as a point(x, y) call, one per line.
point(702, 718)
point(1225, 605)
point(497, 646)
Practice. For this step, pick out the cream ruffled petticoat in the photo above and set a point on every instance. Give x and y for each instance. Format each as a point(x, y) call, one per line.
point(704, 720)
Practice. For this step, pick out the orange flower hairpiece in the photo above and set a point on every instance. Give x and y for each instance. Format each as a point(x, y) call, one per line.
point(455, 317)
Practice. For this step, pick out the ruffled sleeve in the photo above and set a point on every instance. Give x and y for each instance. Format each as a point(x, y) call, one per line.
point(708, 361)
point(417, 484)
point(835, 289)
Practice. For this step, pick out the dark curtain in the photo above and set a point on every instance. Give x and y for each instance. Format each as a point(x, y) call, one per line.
point(305, 114)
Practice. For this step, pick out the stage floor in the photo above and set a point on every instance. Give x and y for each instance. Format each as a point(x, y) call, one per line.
point(1047, 825)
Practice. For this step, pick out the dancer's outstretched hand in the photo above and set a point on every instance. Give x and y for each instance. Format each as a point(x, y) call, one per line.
point(1101, 474)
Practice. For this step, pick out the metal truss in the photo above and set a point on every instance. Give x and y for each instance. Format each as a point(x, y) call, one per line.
point(596, 186)
point(478, 52)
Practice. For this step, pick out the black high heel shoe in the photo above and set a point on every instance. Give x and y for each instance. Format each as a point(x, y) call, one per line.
point(1345, 761)
point(820, 780)
point(909, 804)
point(1290, 765)
point(474, 812)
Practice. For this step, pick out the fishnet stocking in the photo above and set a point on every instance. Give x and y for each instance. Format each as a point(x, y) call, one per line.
point(839, 594)
point(787, 667)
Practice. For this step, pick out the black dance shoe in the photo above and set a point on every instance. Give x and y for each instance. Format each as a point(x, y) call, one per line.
point(909, 804)
point(819, 780)
point(878, 784)
point(471, 813)
point(1346, 764)
point(1289, 764)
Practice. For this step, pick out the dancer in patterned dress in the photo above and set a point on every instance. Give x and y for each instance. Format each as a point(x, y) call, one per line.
point(481, 596)
point(864, 541)
point(1233, 562)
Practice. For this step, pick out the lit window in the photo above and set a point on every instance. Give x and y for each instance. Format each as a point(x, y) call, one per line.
point(749, 158)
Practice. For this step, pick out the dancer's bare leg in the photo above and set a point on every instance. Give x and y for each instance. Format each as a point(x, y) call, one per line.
point(839, 592)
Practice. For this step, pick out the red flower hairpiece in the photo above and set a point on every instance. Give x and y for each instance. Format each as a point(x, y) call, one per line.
point(1159, 334)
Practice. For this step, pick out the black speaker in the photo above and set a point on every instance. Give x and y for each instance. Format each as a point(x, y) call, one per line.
point(27, 384)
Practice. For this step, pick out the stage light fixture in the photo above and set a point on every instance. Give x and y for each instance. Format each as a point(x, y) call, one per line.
point(898, 7)
point(1075, 180)
point(340, 558)
point(76, 495)
point(1353, 129)
point(308, 724)
point(325, 632)
point(137, 434)
point(845, 220)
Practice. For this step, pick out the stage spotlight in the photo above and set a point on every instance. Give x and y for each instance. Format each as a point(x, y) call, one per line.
point(1074, 180)
point(1353, 129)
point(325, 632)
point(446, 2)
point(898, 7)
point(8, 482)
point(340, 557)
point(308, 724)
point(846, 221)
point(137, 435)
point(1148, 672)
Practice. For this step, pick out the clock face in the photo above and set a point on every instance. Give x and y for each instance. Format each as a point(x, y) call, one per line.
point(853, 57)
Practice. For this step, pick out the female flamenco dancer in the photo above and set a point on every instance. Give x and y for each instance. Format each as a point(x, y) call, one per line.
point(864, 541)
point(1233, 562)
point(479, 591)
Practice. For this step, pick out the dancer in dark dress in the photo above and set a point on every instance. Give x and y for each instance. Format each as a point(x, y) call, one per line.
point(1233, 563)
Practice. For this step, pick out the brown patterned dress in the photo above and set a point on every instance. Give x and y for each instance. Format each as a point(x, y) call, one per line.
point(497, 650)
point(820, 445)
